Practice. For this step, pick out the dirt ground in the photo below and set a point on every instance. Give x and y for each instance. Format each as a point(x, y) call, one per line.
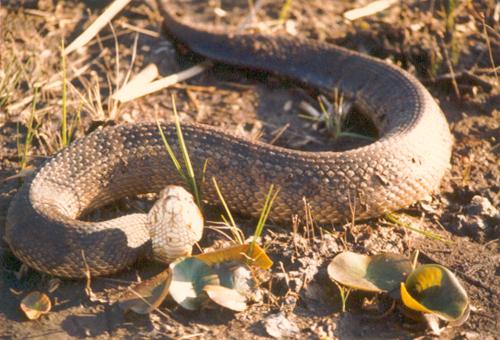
point(451, 46)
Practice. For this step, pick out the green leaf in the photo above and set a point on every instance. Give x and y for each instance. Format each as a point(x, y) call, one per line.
point(378, 273)
point(189, 277)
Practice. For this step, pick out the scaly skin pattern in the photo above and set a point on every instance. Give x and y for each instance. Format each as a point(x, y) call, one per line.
point(404, 165)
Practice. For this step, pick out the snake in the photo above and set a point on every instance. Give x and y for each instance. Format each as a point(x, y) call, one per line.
point(406, 163)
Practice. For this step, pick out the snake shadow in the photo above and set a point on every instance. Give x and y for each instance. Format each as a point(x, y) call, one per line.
point(106, 322)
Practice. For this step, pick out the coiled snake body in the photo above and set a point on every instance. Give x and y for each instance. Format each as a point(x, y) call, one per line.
point(401, 167)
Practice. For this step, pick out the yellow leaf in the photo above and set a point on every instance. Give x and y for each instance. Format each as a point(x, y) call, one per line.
point(428, 278)
point(35, 304)
point(410, 302)
point(432, 288)
point(246, 253)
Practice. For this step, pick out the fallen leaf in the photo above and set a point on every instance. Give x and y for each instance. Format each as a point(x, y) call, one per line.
point(434, 289)
point(35, 304)
point(147, 295)
point(378, 273)
point(253, 255)
point(226, 297)
point(189, 276)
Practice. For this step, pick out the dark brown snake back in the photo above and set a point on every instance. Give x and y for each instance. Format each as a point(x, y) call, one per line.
point(403, 166)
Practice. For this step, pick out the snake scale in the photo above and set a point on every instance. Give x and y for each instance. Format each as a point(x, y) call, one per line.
point(404, 165)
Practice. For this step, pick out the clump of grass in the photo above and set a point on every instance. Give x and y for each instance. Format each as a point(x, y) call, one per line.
point(450, 37)
point(266, 209)
point(177, 165)
point(309, 224)
point(189, 177)
point(237, 233)
point(188, 173)
point(450, 6)
point(251, 6)
point(185, 155)
point(490, 51)
point(67, 131)
point(64, 118)
point(23, 149)
point(344, 295)
point(75, 122)
point(264, 214)
point(259, 228)
point(435, 60)
point(333, 115)
point(9, 81)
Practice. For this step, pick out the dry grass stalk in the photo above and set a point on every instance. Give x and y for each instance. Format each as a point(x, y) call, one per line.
point(97, 25)
point(488, 44)
point(449, 64)
point(49, 86)
point(369, 9)
point(139, 87)
point(140, 30)
point(128, 93)
point(142, 79)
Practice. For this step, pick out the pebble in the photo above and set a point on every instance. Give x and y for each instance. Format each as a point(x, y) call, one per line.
point(480, 219)
point(480, 205)
point(278, 326)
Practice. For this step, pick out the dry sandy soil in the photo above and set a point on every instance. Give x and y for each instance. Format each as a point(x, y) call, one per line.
point(453, 52)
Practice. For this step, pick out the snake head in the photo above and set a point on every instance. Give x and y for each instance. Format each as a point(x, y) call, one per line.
point(176, 223)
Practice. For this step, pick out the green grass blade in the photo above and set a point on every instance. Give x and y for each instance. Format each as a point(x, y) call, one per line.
point(266, 209)
point(23, 151)
point(19, 145)
point(356, 135)
point(234, 229)
point(176, 163)
point(185, 155)
point(75, 122)
point(285, 10)
point(64, 128)
point(395, 219)
point(344, 295)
